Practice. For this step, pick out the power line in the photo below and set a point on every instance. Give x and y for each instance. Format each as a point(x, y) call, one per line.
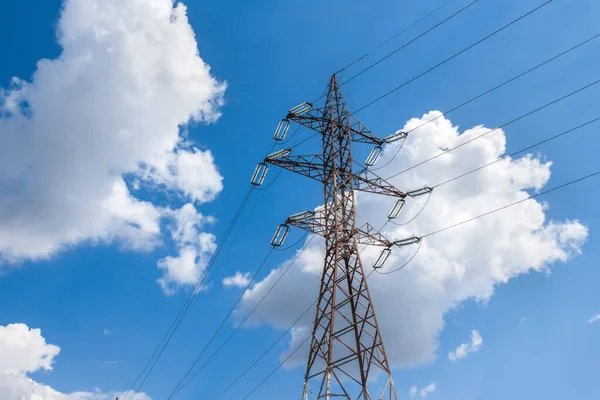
point(519, 151)
point(513, 204)
point(283, 335)
point(178, 389)
point(394, 37)
point(222, 324)
point(498, 128)
point(145, 373)
point(472, 99)
point(454, 55)
point(408, 43)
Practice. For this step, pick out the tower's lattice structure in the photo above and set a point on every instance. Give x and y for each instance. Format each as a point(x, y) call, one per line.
point(347, 358)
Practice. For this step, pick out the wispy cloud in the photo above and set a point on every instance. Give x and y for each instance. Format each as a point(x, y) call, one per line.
point(238, 280)
point(107, 332)
point(466, 348)
point(424, 392)
point(113, 362)
point(595, 318)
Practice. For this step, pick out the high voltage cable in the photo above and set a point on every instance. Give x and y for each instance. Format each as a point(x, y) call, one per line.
point(428, 235)
point(141, 378)
point(454, 55)
point(519, 151)
point(283, 335)
point(181, 385)
point(472, 99)
point(394, 36)
point(408, 43)
point(496, 129)
point(401, 47)
point(513, 204)
point(222, 324)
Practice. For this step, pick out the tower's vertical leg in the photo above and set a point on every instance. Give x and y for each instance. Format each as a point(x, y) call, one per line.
point(346, 351)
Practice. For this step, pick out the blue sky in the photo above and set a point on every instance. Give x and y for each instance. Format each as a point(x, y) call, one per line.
point(537, 342)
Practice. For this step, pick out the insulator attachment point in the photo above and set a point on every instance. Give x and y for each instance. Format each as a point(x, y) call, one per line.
point(374, 156)
point(407, 242)
point(259, 174)
point(279, 154)
point(395, 137)
point(420, 192)
point(282, 129)
point(385, 254)
point(396, 209)
point(302, 216)
point(280, 235)
point(301, 109)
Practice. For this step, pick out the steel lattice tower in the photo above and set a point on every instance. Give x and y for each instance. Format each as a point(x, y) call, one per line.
point(347, 358)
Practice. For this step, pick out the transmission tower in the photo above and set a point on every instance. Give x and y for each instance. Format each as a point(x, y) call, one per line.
point(347, 358)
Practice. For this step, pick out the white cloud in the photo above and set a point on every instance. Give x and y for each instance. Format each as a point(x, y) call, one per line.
point(424, 392)
point(194, 249)
point(466, 348)
point(107, 332)
point(23, 351)
point(467, 262)
point(114, 104)
point(593, 319)
point(413, 391)
point(427, 390)
point(238, 280)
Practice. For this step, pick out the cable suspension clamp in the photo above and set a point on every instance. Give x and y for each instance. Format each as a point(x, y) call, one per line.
point(259, 174)
point(385, 254)
point(279, 154)
point(282, 129)
point(395, 137)
point(374, 156)
point(280, 235)
point(420, 192)
point(407, 242)
point(301, 109)
point(396, 209)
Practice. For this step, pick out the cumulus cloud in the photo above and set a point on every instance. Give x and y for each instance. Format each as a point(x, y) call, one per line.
point(195, 249)
point(593, 319)
point(23, 351)
point(110, 111)
point(464, 263)
point(466, 348)
point(238, 280)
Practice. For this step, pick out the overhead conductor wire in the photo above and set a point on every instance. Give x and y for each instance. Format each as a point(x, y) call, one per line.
point(472, 99)
point(454, 56)
point(141, 378)
point(585, 87)
point(246, 318)
point(394, 36)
